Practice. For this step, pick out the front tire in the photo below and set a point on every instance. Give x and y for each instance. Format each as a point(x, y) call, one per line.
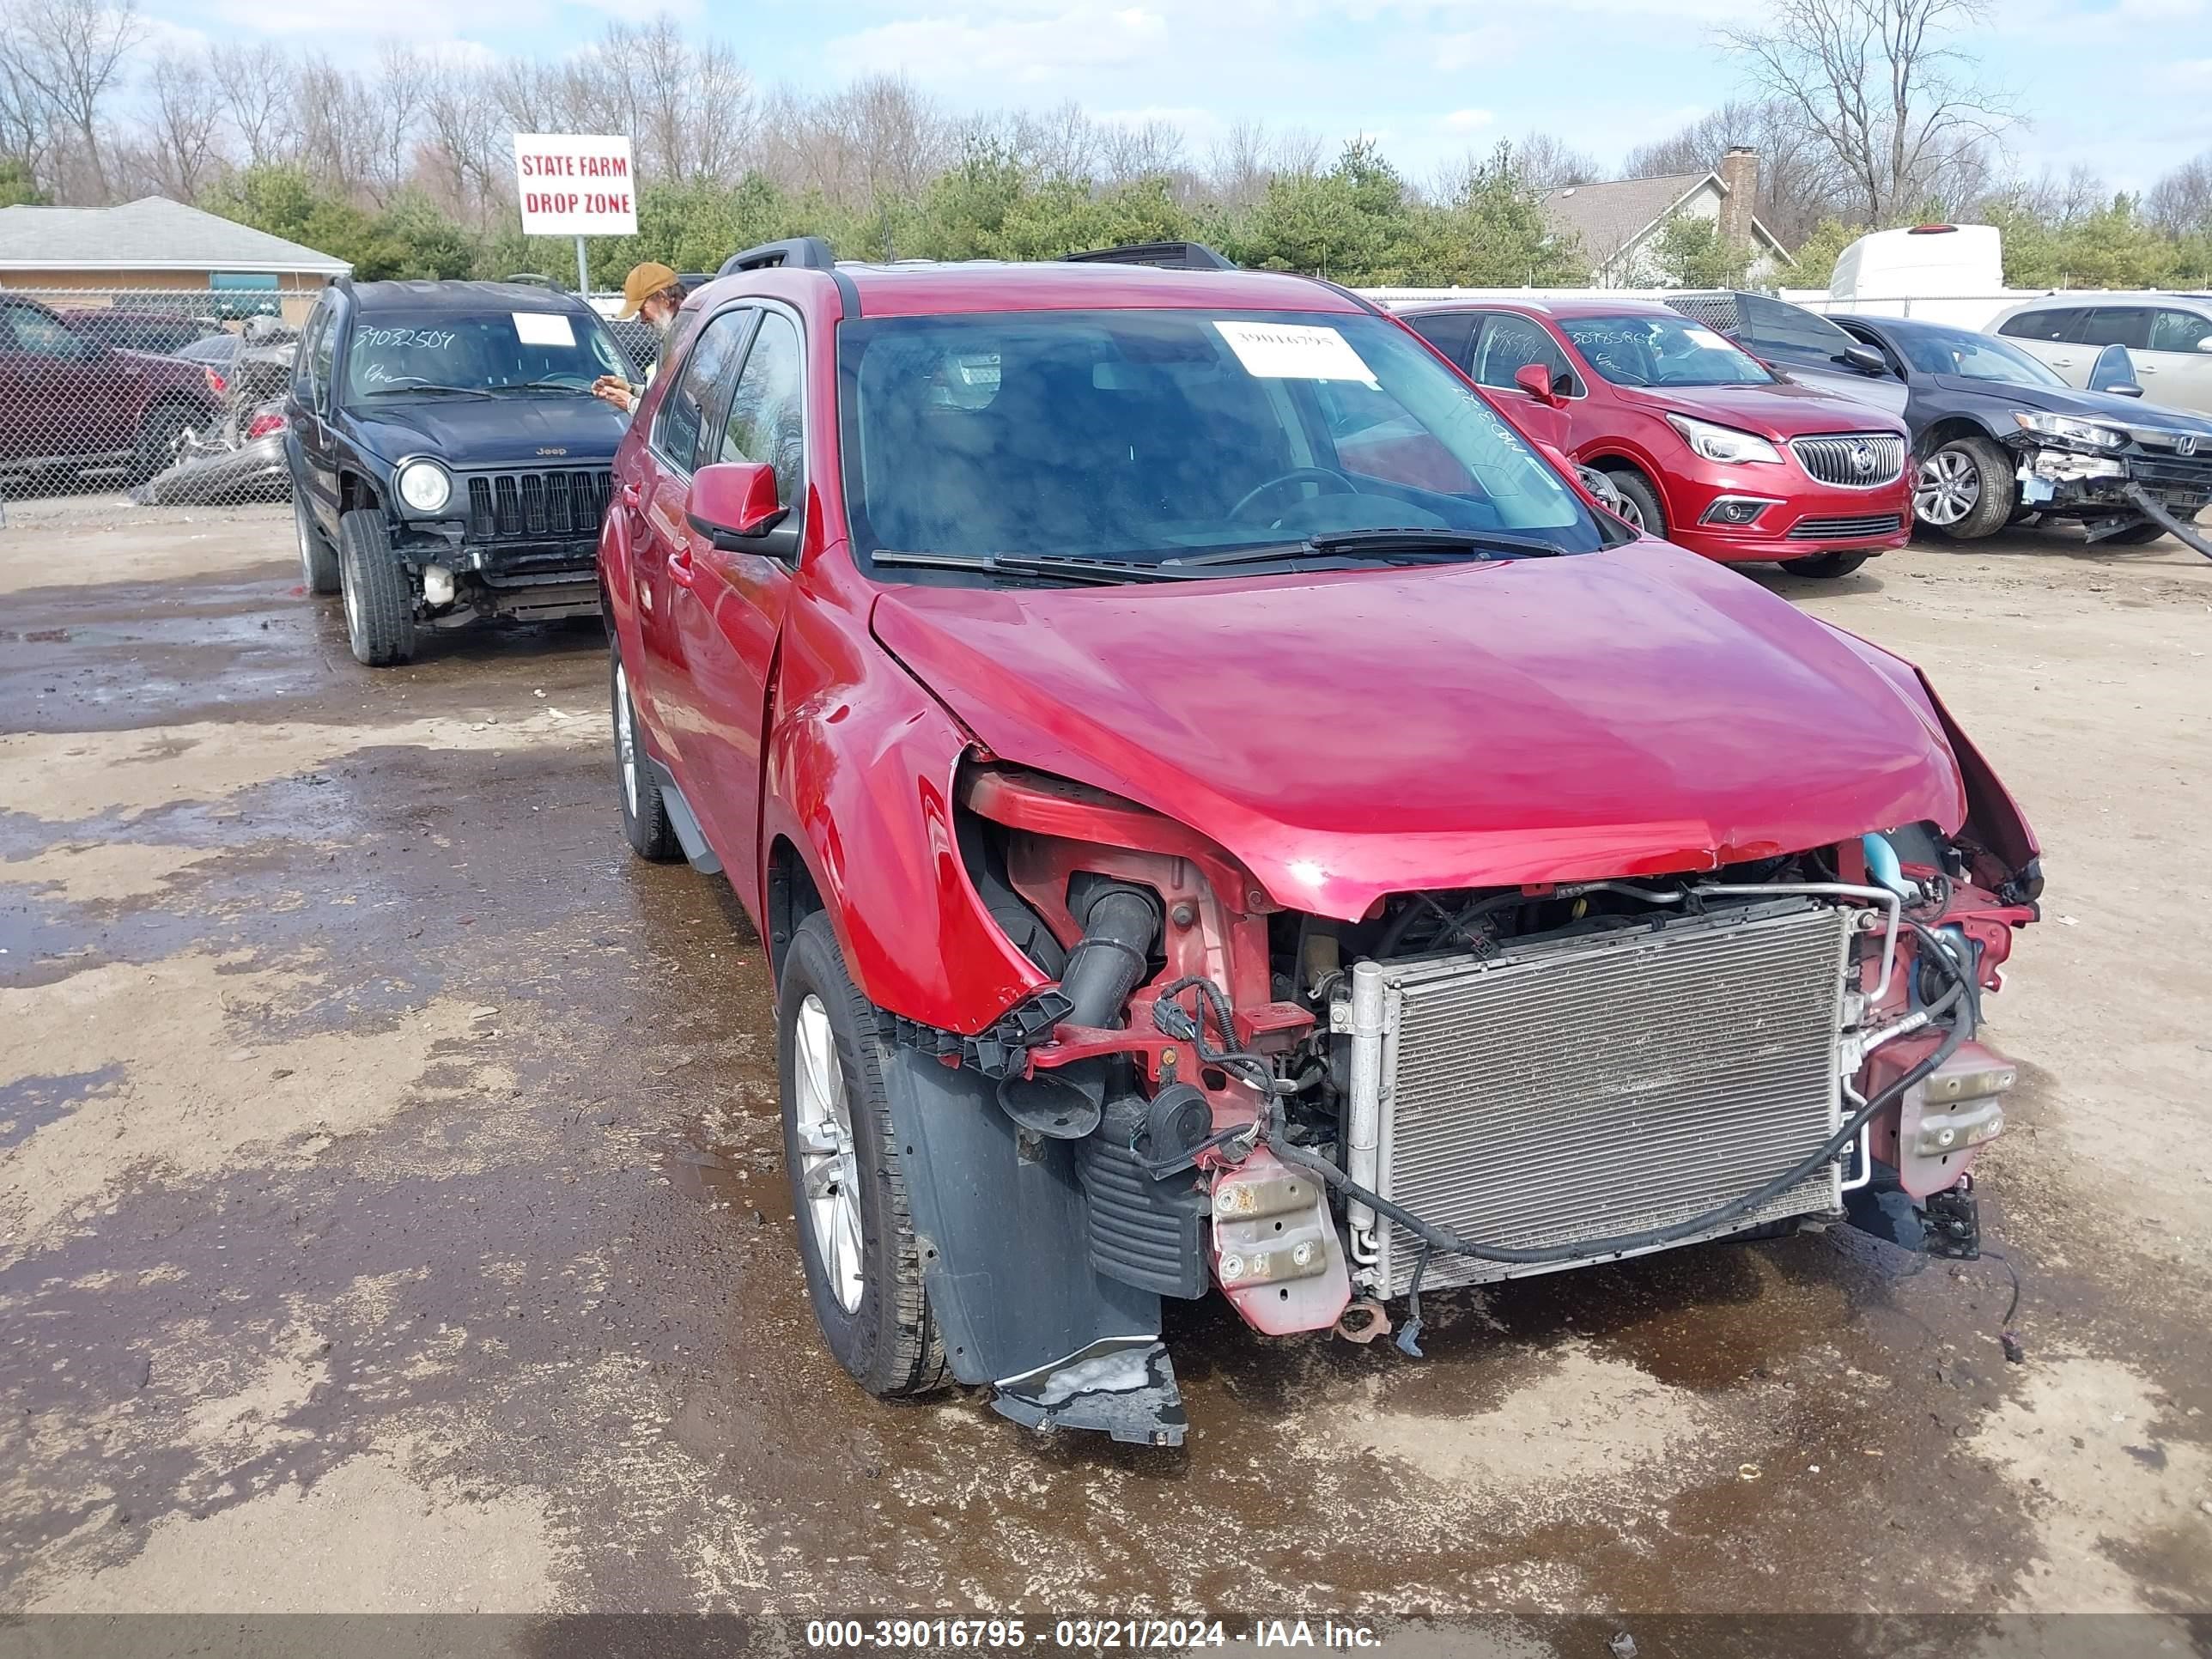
point(856, 1238)
point(637, 791)
point(318, 560)
point(379, 604)
point(1825, 565)
point(2136, 535)
point(1963, 490)
point(1639, 503)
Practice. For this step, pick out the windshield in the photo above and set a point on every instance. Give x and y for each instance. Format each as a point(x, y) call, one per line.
point(1143, 435)
point(1972, 356)
point(391, 353)
point(1642, 350)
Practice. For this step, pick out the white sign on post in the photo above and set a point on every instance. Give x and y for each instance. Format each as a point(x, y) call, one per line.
point(575, 185)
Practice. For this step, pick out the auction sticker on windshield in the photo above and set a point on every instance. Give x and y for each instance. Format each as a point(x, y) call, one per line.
point(546, 328)
point(1294, 351)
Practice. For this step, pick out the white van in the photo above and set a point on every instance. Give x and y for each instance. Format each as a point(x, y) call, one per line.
point(1951, 274)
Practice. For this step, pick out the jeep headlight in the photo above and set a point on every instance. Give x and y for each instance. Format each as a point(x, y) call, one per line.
point(1722, 443)
point(2069, 430)
point(424, 486)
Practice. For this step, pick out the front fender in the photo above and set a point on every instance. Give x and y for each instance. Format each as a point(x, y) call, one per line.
point(860, 782)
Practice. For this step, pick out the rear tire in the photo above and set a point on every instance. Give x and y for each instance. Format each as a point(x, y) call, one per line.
point(379, 604)
point(637, 791)
point(157, 440)
point(1640, 503)
point(318, 560)
point(830, 1062)
point(1825, 565)
point(1963, 490)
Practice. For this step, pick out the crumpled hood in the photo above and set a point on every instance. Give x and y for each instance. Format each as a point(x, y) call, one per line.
point(557, 429)
point(2093, 405)
point(1348, 735)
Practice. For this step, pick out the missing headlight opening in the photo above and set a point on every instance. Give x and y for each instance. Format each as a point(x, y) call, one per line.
point(1469, 1085)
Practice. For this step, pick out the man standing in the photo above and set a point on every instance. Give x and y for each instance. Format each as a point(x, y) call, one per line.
point(652, 292)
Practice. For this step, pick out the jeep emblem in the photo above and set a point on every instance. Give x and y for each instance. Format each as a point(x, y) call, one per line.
point(552, 451)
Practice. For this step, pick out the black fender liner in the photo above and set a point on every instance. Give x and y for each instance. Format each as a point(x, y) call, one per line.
point(1002, 1230)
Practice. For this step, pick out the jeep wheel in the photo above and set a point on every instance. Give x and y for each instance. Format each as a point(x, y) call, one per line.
point(318, 560)
point(856, 1233)
point(644, 814)
point(157, 440)
point(1826, 564)
point(1964, 490)
point(380, 604)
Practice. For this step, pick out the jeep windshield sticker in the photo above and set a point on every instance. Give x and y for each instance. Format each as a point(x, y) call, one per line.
point(545, 328)
point(1294, 351)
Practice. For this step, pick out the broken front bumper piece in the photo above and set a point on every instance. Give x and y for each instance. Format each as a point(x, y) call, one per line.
point(1124, 1387)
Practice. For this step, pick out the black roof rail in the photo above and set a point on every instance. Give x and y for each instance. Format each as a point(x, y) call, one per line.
point(806, 252)
point(1164, 256)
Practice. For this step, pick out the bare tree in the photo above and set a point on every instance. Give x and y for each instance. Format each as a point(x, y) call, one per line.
point(1799, 183)
point(1896, 108)
point(1546, 161)
point(256, 83)
point(184, 126)
point(2181, 201)
point(1151, 148)
point(70, 55)
point(397, 101)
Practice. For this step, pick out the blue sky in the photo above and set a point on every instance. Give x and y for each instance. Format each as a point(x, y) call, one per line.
point(2123, 85)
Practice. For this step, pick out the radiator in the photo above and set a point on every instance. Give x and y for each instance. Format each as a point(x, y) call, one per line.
point(1599, 1085)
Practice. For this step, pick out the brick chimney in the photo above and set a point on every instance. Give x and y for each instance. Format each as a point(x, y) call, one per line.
point(1739, 171)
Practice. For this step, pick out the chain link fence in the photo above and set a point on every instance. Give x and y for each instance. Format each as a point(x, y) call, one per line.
point(168, 396)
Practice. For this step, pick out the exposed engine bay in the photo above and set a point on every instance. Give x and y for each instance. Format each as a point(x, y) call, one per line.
point(1321, 1118)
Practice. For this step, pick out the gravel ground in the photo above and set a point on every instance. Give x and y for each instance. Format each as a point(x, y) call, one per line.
point(391, 1216)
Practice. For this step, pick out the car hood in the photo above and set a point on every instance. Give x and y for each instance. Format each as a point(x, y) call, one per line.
point(1784, 409)
point(2065, 401)
point(557, 429)
point(1352, 734)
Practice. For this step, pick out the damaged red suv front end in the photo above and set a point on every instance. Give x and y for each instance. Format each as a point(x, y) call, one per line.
point(1195, 863)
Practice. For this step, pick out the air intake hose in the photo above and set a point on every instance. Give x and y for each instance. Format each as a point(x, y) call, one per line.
point(1119, 925)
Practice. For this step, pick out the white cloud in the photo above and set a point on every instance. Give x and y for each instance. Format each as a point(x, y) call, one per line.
point(978, 57)
point(1466, 120)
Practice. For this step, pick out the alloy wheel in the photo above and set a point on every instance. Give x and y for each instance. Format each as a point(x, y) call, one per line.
point(1628, 510)
point(1947, 488)
point(830, 1173)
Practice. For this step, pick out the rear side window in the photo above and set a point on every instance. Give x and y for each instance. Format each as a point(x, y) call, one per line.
point(1511, 342)
point(321, 360)
point(1450, 332)
point(2059, 323)
point(2127, 325)
point(682, 411)
point(2179, 330)
point(766, 420)
point(1775, 325)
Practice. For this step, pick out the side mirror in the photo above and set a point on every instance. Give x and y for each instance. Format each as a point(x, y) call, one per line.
point(733, 503)
point(2114, 371)
point(1536, 381)
point(1864, 358)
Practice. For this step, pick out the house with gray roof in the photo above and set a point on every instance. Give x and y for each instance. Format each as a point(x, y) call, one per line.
point(1618, 221)
point(153, 245)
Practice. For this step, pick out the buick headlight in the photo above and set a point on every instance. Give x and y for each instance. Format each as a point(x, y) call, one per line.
point(424, 486)
point(2066, 428)
point(1722, 443)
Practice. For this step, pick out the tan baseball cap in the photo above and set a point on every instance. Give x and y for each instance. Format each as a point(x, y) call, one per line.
point(641, 284)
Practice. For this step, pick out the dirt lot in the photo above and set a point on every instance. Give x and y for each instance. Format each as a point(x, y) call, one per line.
point(391, 1214)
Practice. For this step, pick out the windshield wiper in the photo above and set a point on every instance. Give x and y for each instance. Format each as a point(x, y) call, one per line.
point(547, 385)
point(1058, 566)
point(426, 385)
point(1419, 541)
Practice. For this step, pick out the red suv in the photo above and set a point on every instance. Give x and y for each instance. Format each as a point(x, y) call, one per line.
point(68, 401)
point(1708, 448)
point(1193, 855)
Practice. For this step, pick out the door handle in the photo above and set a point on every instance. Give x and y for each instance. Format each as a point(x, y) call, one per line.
point(630, 496)
point(2061, 362)
point(679, 565)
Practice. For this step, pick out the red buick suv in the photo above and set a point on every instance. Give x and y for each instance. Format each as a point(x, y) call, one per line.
point(1226, 815)
point(1708, 447)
